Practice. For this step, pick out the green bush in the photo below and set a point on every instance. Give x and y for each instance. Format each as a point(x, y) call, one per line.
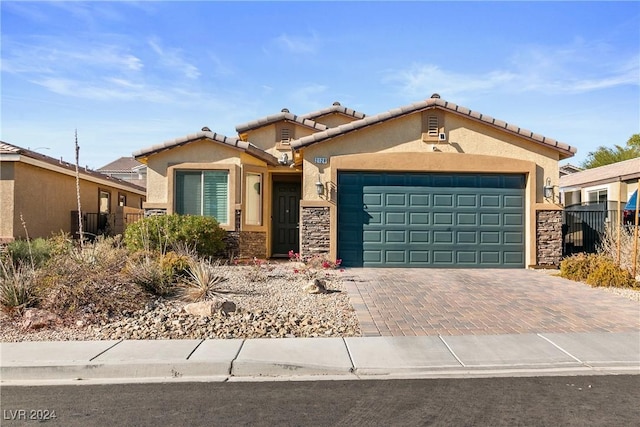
point(29, 252)
point(596, 270)
point(160, 233)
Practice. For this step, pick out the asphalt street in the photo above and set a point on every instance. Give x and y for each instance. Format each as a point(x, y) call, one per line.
point(612, 400)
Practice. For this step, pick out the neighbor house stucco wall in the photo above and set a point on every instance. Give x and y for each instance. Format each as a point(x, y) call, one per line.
point(45, 199)
point(7, 185)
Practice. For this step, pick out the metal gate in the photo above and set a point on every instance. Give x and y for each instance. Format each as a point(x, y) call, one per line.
point(583, 227)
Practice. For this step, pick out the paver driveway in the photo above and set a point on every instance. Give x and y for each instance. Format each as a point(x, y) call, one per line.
point(396, 302)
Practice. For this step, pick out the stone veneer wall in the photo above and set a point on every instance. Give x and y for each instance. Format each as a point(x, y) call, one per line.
point(548, 238)
point(315, 238)
point(245, 244)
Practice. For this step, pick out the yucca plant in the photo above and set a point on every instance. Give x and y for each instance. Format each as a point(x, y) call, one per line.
point(203, 280)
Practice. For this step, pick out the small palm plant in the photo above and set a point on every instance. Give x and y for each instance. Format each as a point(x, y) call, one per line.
point(203, 281)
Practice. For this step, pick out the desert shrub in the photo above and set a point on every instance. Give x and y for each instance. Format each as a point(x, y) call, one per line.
point(577, 267)
point(596, 270)
point(17, 287)
point(34, 252)
point(162, 232)
point(174, 263)
point(203, 280)
point(606, 273)
point(90, 281)
point(151, 275)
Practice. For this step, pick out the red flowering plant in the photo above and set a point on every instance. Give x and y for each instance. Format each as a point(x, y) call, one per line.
point(313, 266)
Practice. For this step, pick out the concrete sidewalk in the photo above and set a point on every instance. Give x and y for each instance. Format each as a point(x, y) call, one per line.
point(322, 358)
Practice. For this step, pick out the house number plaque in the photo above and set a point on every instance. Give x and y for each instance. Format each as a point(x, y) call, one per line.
point(320, 160)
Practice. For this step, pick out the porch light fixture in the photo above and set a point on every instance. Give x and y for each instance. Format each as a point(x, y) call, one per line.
point(548, 189)
point(319, 187)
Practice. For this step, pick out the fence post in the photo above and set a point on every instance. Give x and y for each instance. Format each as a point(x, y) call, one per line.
point(635, 233)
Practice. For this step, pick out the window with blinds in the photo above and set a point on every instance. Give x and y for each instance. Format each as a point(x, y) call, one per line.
point(203, 193)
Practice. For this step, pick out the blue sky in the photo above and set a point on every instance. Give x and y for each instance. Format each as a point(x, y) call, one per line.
point(131, 75)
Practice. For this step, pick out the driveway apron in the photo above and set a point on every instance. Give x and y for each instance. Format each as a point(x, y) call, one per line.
point(414, 302)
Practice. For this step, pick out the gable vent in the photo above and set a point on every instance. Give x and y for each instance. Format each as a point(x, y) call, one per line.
point(432, 126)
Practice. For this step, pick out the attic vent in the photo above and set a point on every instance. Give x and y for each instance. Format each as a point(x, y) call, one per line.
point(285, 135)
point(432, 126)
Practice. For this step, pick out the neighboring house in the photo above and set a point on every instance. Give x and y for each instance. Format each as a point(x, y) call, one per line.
point(569, 169)
point(608, 185)
point(430, 184)
point(127, 169)
point(38, 192)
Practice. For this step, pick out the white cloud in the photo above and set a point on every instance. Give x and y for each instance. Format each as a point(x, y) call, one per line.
point(298, 44)
point(173, 58)
point(578, 68)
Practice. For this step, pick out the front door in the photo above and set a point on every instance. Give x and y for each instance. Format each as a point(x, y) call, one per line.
point(285, 218)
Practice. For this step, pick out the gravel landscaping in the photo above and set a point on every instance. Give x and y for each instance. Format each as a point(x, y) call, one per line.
point(271, 302)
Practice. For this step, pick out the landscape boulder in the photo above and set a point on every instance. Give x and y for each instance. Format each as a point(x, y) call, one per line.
point(210, 307)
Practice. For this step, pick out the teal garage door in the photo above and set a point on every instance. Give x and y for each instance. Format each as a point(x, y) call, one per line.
point(431, 220)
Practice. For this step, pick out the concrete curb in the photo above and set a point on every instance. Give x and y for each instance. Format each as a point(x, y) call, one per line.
point(321, 358)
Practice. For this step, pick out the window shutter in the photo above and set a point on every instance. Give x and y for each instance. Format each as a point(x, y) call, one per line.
point(188, 193)
point(215, 195)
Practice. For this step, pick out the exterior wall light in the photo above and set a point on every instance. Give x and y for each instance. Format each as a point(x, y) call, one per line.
point(548, 189)
point(319, 187)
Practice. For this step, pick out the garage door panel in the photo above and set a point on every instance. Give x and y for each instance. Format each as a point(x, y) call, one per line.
point(442, 219)
point(467, 257)
point(395, 257)
point(396, 200)
point(467, 200)
point(417, 201)
point(443, 200)
point(443, 257)
point(419, 218)
point(400, 223)
point(489, 201)
point(489, 219)
point(466, 237)
point(419, 257)
point(395, 236)
point(417, 237)
point(467, 219)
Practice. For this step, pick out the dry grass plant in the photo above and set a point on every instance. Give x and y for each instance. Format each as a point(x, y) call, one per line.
point(609, 246)
point(17, 287)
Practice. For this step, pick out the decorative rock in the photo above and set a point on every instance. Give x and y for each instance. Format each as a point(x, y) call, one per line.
point(35, 318)
point(316, 286)
point(210, 308)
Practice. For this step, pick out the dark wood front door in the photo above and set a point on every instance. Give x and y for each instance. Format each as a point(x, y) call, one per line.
point(285, 218)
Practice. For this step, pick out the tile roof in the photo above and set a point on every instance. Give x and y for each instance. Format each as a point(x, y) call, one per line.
point(335, 108)
point(6, 148)
point(216, 137)
point(623, 171)
point(123, 164)
point(432, 103)
point(283, 115)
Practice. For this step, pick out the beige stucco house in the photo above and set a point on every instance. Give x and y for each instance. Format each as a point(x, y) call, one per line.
point(40, 192)
point(610, 184)
point(431, 184)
